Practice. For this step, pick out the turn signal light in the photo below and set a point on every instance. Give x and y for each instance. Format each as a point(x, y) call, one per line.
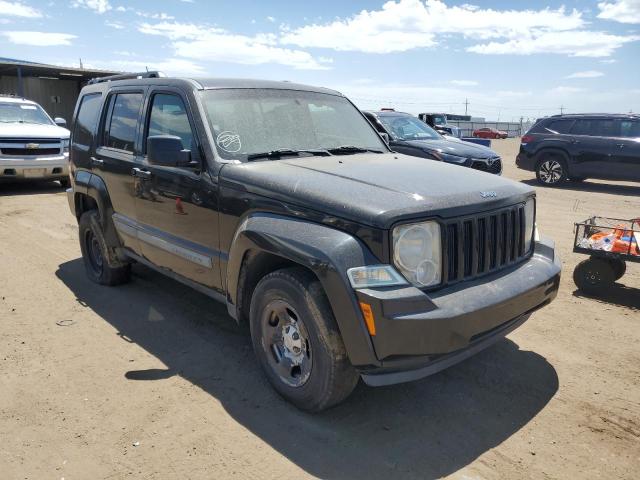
point(368, 318)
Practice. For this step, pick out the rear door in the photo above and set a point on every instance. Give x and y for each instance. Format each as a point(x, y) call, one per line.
point(84, 129)
point(594, 148)
point(177, 207)
point(115, 157)
point(628, 149)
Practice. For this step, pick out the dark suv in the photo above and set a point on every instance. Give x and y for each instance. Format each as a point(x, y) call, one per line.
point(345, 259)
point(576, 147)
point(411, 136)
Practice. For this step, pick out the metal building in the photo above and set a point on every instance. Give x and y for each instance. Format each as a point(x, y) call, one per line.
point(55, 88)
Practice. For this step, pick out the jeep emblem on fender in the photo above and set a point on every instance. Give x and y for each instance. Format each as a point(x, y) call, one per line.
point(488, 194)
point(32, 146)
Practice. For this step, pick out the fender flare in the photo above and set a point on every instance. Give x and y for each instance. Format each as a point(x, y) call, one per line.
point(327, 252)
point(94, 187)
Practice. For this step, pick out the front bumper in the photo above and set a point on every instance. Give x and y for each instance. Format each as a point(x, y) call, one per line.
point(34, 168)
point(418, 333)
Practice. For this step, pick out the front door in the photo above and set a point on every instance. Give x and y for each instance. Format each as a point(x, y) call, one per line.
point(177, 207)
point(115, 157)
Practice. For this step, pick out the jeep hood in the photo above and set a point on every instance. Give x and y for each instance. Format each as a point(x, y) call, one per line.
point(375, 189)
point(31, 130)
point(455, 146)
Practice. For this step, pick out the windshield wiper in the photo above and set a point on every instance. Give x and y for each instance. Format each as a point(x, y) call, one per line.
point(283, 152)
point(346, 149)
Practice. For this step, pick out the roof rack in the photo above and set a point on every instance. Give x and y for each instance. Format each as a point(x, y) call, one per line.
point(127, 76)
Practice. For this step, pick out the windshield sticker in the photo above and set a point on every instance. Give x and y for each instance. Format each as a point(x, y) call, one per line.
point(28, 107)
point(229, 142)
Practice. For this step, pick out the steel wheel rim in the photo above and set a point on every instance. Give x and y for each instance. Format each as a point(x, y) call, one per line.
point(94, 253)
point(551, 171)
point(285, 342)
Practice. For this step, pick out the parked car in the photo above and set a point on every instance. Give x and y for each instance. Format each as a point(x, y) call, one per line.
point(32, 145)
point(411, 136)
point(492, 133)
point(281, 200)
point(440, 123)
point(580, 146)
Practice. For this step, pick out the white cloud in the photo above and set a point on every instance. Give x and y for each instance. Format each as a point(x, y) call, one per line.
point(271, 19)
point(155, 16)
point(580, 43)
point(407, 24)
point(402, 25)
point(98, 6)
point(608, 61)
point(562, 90)
point(18, 9)
point(586, 74)
point(623, 11)
point(116, 25)
point(171, 66)
point(39, 39)
point(215, 44)
point(464, 83)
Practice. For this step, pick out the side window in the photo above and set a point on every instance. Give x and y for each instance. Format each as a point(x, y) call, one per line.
point(630, 128)
point(169, 117)
point(560, 126)
point(582, 127)
point(87, 119)
point(604, 128)
point(120, 126)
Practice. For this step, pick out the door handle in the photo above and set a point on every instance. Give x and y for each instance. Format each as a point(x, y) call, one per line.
point(97, 162)
point(621, 145)
point(137, 172)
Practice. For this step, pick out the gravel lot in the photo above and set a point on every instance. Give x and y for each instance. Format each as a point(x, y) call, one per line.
point(153, 380)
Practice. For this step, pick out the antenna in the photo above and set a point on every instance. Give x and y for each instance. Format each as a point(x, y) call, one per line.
point(466, 104)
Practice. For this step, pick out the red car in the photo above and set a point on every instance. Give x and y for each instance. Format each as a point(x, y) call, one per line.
point(489, 133)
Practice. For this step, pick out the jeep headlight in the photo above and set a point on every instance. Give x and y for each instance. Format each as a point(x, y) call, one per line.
point(417, 253)
point(529, 223)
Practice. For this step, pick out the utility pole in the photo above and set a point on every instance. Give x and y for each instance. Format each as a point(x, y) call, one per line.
point(466, 104)
point(561, 109)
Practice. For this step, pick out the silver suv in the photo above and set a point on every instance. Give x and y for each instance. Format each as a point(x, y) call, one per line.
point(32, 145)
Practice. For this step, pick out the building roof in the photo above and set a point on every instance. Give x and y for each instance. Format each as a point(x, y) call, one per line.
point(9, 66)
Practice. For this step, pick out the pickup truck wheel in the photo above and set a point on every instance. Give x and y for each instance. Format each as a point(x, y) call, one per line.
point(594, 276)
point(99, 262)
point(297, 341)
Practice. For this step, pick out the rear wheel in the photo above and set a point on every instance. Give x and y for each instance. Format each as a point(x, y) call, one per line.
point(594, 275)
point(297, 341)
point(100, 262)
point(551, 170)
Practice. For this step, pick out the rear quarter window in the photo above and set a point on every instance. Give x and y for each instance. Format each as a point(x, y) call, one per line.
point(560, 126)
point(87, 119)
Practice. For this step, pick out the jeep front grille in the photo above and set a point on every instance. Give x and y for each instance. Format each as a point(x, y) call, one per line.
point(482, 244)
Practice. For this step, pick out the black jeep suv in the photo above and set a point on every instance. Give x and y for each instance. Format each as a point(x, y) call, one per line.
point(576, 147)
point(345, 259)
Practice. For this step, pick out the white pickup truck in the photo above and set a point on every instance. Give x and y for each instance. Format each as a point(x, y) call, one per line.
point(32, 145)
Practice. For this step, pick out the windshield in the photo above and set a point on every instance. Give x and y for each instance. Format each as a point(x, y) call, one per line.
point(246, 122)
point(23, 113)
point(439, 120)
point(408, 128)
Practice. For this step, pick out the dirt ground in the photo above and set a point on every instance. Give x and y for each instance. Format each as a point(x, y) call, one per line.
point(153, 380)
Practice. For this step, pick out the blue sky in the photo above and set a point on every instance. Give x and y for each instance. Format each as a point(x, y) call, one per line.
point(509, 59)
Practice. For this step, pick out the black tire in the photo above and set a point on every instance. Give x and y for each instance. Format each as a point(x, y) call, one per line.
point(64, 183)
point(314, 373)
point(594, 276)
point(551, 169)
point(100, 262)
point(619, 268)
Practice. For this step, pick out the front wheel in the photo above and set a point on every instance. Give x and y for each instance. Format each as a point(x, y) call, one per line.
point(551, 170)
point(297, 342)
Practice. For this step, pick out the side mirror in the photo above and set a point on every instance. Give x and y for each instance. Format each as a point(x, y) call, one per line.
point(167, 150)
point(385, 137)
point(61, 122)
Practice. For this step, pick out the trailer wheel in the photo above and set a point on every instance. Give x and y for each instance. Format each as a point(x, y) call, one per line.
point(619, 268)
point(594, 275)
